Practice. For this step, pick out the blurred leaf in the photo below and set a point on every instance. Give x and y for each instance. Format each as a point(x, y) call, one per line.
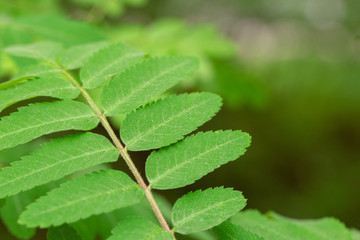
point(76, 56)
point(45, 51)
point(59, 29)
point(64, 232)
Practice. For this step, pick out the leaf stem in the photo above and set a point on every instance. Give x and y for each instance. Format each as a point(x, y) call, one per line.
point(125, 155)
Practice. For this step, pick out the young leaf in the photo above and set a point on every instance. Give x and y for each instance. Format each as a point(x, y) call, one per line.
point(183, 163)
point(75, 57)
point(107, 62)
point(53, 162)
point(139, 228)
point(42, 118)
point(202, 210)
point(64, 232)
point(59, 29)
point(50, 87)
point(230, 231)
point(82, 197)
point(145, 81)
point(44, 51)
point(166, 121)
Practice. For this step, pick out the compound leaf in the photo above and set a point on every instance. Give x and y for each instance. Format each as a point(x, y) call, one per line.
point(108, 61)
point(56, 159)
point(39, 119)
point(183, 163)
point(76, 56)
point(202, 210)
point(44, 51)
point(64, 232)
point(166, 121)
point(139, 228)
point(82, 197)
point(49, 87)
point(230, 231)
point(145, 81)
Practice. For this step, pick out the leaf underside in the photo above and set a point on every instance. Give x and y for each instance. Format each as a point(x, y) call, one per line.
point(56, 159)
point(43, 118)
point(82, 197)
point(183, 163)
point(102, 65)
point(202, 210)
point(139, 228)
point(166, 121)
point(145, 81)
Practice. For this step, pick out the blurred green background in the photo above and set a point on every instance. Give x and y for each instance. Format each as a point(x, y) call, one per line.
point(288, 71)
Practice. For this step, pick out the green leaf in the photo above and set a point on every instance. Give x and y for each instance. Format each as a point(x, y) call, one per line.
point(49, 87)
point(39, 70)
point(145, 81)
point(43, 118)
point(102, 65)
point(44, 51)
point(166, 121)
point(139, 228)
point(75, 57)
point(202, 210)
point(59, 29)
point(230, 231)
point(183, 163)
point(97, 193)
point(64, 232)
point(325, 228)
point(56, 159)
point(276, 228)
point(355, 234)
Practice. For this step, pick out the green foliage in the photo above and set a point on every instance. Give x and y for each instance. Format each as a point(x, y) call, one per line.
point(187, 161)
point(35, 71)
point(44, 51)
point(145, 81)
point(166, 121)
point(138, 228)
point(43, 86)
point(101, 66)
point(230, 231)
point(275, 227)
point(64, 232)
point(76, 56)
point(43, 118)
point(82, 197)
point(59, 29)
point(52, 162)
point(202, 210)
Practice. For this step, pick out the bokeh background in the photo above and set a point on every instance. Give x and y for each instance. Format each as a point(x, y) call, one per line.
point(288, 71)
